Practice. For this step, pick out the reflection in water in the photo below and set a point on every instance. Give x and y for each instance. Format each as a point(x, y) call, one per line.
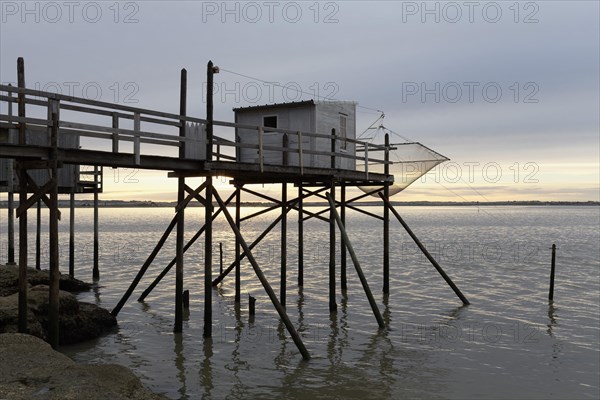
point(180, 364)
point(552, 319)
point(206, 373)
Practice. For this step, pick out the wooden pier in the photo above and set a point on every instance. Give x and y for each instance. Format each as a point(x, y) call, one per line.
point(185, 155)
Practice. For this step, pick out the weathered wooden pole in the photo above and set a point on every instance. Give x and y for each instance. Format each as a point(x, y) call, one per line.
point(552, 268)
point(283, 277)
point(238, 248)
point(38, 234)
point(209, 206)
point(332, 213)
point(11, 215)
point(72, 226)
point(10, 165)
point(96, 270)
point(386, 220)
point(425, 252)
point(265, 283)
point(251, 305)
point(361, 275)
point(180, 215)
point(220, 257)
point(343, 274)
point(22, 324)
point(53, 306)
point(300, 237)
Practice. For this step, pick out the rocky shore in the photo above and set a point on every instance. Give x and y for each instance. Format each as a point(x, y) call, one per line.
point(29, 368)
point(78, 321)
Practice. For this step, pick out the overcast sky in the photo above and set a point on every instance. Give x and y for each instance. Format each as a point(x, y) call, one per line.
point(498, 87)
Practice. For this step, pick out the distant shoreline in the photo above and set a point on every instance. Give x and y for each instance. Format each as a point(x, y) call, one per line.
point(159, 204)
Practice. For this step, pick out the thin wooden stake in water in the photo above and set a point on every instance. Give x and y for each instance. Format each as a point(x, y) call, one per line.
point(22, 199)
point(551, 293)
point(361, 275)
point(424, 250)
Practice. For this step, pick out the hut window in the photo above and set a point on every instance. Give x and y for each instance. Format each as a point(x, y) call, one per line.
point(270, 121)
point(344, 143)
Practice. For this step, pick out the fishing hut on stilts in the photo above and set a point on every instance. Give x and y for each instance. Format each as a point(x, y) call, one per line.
point(310, 145)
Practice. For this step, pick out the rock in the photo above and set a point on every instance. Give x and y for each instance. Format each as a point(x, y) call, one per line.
point(29, 368)
point(77, 321)
point(9, 280)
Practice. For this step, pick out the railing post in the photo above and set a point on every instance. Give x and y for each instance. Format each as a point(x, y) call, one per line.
point(178, 326)
point(115, 135)
point(285, 154)
point(136, 138)
point(333, 148)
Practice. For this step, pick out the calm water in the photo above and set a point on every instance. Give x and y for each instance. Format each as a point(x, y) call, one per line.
point(509, 343)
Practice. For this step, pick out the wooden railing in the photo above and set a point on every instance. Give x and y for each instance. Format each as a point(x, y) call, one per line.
point(223, 149)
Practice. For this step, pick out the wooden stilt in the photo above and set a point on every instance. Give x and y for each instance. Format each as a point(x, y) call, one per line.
point(283, 285)
point(363, 280)
point(72, 231)
point(53, 307)
point(425, 252)
point(300, 237)
point(332, 212)
point(238, 198)
point(38, 234)
point(208, 207)
point(343, 257)
point(386, 222)
point(552, 270)
point(11, 219)
point(263, 280)
point(22, 324)
point(178, 327)
point(96, 270)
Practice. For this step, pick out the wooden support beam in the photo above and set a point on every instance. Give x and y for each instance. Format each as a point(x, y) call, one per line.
point(180, 209)
point(332, 213)
point(34, 187)
point(283, 242)
point(263, 280)
point(54, 303)
point(343, 257)
point(425, 252)
point(189, 244)
point(300, 237)
point(238, 223)
point(72, 231)
point(346, 242)
point(23, 183)
point(95, 268)
point(38, 234)
point(196, 193)
point(36, 196)
point(192, 194)
point(208, 208)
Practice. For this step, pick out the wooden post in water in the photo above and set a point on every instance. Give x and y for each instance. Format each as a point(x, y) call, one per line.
point(300, 237)
point(53, 306)
point(209, 206)
point(178, 327)
point(220, 257)
point(552, 268)
point(386, 220)
point(11, 215)
point(11, 202)
point(96, 270)
point(283, 285)
point(22, 324)
point(363, 280)
point(332, 212)
point(238, 249)
point(72, 227)
point(343, 274)
point(38, 234)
